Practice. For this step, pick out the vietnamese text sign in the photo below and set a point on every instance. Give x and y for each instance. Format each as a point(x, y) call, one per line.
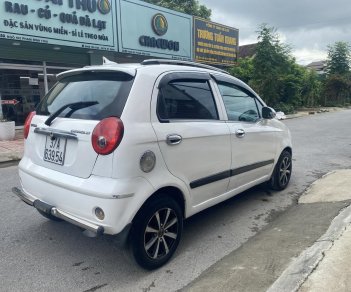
point(11, 101)
point(215, 43)
point(150, 30)
point(78, 23)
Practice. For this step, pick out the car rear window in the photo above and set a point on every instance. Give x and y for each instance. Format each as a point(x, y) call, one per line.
point(106, 92)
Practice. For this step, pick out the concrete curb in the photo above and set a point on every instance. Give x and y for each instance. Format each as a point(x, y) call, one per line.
point(294, 116)
point(298, 271)
point(306, 113)
point(4, 164)
point(10, 157)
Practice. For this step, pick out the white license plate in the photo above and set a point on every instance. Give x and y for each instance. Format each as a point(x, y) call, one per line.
point(55, 150)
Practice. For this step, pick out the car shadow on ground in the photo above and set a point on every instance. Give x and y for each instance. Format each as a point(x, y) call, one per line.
point(63, 239)
point(59, 250)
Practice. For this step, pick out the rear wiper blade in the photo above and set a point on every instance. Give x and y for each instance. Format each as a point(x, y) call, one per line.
point(73, 106)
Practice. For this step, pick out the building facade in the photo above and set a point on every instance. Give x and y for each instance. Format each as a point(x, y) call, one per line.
point(41, 38)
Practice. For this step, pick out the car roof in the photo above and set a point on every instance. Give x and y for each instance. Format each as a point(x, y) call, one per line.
point(156, 67)
point(151, 66)
point(131, 68)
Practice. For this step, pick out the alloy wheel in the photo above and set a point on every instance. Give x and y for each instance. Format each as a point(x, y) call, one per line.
point(285, 171)
point(161, 233)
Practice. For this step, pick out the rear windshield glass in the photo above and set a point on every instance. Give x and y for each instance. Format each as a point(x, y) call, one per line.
point(93, 95)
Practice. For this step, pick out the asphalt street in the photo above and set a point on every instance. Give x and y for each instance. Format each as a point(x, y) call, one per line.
point(288, 251)
point(36, 254)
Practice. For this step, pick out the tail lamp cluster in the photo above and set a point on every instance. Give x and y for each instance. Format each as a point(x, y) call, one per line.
point(27, 124)
point(107, 134)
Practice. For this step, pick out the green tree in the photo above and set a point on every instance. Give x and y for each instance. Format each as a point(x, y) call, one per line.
point(339, 56)
point(291, 84)
point(311, 89)
point(337, 90)
point(270, 64)
point(186, 6)
point(243, 69)
point(275, 75)
point(338, 83)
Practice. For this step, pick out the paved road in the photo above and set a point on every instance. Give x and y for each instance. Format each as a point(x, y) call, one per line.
point(36, 254)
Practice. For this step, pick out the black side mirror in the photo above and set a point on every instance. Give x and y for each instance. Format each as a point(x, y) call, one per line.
point(268, 113)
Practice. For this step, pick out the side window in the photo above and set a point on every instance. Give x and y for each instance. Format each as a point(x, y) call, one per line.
point(186, 99)
point(240, 106)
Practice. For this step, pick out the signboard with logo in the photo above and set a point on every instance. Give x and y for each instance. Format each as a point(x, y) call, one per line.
point(79, 23)
point(215, 43)
point(150, 30)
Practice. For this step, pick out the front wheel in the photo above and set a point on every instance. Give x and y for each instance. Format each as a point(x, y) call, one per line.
point(282, 172)
point(156, 232)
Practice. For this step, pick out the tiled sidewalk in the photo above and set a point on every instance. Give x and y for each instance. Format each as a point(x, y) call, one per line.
point(12, 150)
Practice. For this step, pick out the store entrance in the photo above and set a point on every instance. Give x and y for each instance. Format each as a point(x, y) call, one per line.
point(22, 86)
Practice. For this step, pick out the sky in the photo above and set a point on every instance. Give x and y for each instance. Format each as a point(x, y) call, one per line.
point(308, 26)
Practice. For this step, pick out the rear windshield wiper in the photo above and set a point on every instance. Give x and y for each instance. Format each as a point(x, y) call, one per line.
point(73, 106)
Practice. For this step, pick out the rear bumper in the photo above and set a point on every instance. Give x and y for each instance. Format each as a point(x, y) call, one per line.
point(52, 210)
point(75, 199)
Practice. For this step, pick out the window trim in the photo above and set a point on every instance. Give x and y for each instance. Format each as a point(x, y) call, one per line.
point(259, 102)
point(181, 76)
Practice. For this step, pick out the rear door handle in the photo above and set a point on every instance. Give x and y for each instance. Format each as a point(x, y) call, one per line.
point(173, 139)
point(240, 133)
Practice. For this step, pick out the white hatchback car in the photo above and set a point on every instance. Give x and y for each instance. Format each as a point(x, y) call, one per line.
point(133, 149)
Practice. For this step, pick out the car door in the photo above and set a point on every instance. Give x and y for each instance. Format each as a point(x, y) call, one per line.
point(194, 142)
point(253, 139)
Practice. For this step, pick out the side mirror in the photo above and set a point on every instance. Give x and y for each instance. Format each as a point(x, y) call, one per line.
point(268, 113)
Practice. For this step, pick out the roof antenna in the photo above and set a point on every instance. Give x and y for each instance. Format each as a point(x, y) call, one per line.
point(106, 61)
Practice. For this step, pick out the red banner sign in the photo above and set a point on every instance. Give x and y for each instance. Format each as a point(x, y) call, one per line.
point(11, 101)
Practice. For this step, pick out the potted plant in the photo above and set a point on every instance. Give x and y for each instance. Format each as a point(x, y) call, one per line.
point(7, 128)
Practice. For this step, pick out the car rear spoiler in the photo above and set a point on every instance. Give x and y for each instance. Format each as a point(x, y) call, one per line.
point(129, 71)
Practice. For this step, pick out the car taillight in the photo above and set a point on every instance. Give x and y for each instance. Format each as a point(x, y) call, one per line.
point(107, 135)
point(27, 124)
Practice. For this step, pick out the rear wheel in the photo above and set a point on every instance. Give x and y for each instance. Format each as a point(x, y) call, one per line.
point(282, 172)
point(49, 216)
point(156, 232)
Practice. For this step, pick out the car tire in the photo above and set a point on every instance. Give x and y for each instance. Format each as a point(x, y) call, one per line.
point(156, 232)
point(282, 172)
point(48, 216)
